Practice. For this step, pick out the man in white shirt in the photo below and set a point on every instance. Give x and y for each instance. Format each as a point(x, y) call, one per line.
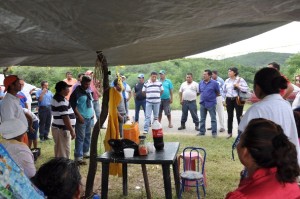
point(188, 94)
point(27, 90)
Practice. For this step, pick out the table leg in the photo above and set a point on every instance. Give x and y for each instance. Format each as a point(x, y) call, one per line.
point(167, 181)
point(176, 177)
point(125, 179)
point(146, 181)
point(104, 180)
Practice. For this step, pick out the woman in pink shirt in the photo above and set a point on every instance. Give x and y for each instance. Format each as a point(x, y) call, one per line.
point(271, 163)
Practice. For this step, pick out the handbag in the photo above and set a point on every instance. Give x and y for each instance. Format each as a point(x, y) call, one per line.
point(242, 96)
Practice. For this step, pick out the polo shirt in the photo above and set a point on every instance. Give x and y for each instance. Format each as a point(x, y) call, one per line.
point(11, 109)
point(208, 93)
point(153, 90)
point(61, 107)
point(138, 91)
point(46, 99)
point(167, 84)
point(275, 108)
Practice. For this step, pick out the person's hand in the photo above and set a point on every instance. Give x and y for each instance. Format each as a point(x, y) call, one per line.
point(236, 86)
point(31, 130)
point(120, 117)
point(44, 90)
point(73, 135)
point(181, 102)
point(224, 104)
point(171, 101)
point(81, 119)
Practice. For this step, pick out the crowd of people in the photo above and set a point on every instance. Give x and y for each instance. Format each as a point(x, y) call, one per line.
point(268, 141)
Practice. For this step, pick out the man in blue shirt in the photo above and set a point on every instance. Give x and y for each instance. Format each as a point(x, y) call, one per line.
point(44, 97)
point(209, 90)
point(81, 101)
point(166, 97)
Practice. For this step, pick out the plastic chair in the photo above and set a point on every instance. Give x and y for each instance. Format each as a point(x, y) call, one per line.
point(190, 174)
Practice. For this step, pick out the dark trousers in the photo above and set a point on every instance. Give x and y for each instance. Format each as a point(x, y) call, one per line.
point(230, 106)
point(45, 120)
point(192, 107)
point(138, 105)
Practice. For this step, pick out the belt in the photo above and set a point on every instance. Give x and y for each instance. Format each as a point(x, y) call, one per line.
point(189, 100)
point(231, 98)
point(45, 106)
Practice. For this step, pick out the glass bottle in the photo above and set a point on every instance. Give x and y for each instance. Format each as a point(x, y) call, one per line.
point(142, 146)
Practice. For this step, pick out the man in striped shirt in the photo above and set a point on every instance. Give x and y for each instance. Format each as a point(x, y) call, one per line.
point(63, 120)
point(153, 89)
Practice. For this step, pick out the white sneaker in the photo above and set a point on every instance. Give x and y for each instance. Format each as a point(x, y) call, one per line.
point(145, 132)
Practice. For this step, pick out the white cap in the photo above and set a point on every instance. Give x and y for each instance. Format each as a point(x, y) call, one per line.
point(12, 128)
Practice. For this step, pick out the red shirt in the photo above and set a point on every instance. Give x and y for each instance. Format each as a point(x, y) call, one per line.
point(264, 185)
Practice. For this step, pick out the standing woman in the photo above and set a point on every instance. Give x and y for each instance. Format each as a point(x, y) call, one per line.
point(231, 87)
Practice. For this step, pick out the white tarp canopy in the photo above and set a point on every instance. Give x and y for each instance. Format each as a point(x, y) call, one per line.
point(69, 32)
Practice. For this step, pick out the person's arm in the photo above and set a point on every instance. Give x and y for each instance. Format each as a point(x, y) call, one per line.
point(171, 96)
point(67, 123)
point(161, 90)
point(78, 115)
point(180, 98)
point(30, 122)
point(129, 93)
point(41, 97)
point(288, 90)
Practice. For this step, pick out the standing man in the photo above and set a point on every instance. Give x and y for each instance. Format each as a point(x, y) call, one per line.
point(81, 101)
point(209, 90)
point(285, 93)
point(188, 94)
point(27, 90)
point(70, 81)
point(153, 90)
point(44, 97)
point(166, 97)
point(95, 85)
point(139, 97)
point(63, 120)
point(219, 106)
point(127, 93)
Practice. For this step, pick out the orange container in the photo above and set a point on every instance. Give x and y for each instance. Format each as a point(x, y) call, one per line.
point(131, 132)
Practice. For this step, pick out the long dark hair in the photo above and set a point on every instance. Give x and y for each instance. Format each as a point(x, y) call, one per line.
point(270, 147)
point(270, 80)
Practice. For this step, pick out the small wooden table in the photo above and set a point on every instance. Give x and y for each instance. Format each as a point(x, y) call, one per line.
point(165, 157)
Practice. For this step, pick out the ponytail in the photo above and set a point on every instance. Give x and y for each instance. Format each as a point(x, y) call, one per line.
point(285, 156)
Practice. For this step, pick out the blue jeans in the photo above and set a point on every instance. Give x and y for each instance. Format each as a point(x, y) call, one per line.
point(45, 120)
point(192, 107)
point(212, 113)
point(138, 105)
point(83, 138)
point(149, 108)
point(96, 108)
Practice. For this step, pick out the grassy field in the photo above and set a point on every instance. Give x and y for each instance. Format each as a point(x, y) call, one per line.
point(222, 172)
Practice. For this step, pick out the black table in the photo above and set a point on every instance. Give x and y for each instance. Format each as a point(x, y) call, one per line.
point(165, 157)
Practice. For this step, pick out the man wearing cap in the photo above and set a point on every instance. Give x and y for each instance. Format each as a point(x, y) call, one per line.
point(166, 97)
point(44, 97)
point(153, 90)
point(10, 107)
point(81, 101)
point(70, 81)
point(13, 131)
point(139, 98)
point(63, 120)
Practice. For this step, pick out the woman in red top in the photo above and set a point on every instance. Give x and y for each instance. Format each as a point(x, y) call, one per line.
point(270, 160)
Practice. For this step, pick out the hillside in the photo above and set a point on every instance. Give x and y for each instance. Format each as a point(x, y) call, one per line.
point(259, 58)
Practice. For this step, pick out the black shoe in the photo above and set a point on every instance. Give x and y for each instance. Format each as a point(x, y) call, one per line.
point(42, 139)
point(181, 128)
point(197, 128)
point(47, 138)
point(209, 128)
point(229, 136)
point(200, 134)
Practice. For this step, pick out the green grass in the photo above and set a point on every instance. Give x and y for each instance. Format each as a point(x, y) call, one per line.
point(222, 173)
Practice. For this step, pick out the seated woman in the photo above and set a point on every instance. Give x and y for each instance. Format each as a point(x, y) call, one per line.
point(13, 132)
point(59, 179)
point(270, 160)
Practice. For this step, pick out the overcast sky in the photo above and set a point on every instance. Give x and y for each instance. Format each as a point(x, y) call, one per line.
point(285, 39)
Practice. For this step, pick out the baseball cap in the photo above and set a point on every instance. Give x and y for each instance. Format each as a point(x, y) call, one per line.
point(12, 128)
point(141, 76)
point(9, 80)
point(89, 72)
point(162, 72)
point(61, 85)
